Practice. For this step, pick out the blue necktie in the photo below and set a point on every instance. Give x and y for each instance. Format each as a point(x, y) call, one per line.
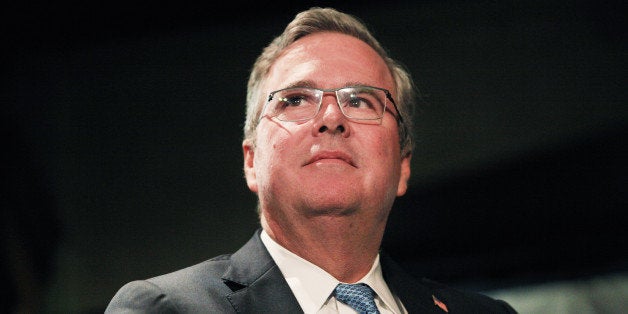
point(358, 296)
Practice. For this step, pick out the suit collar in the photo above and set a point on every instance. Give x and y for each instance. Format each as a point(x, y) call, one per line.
point(258, 285)
point(416, 297)
point(257, 282)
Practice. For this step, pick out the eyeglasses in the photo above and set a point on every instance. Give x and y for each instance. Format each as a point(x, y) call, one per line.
point(359, 102)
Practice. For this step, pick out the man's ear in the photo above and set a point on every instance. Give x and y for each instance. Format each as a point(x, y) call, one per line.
point(404, 175)
point(248, 150)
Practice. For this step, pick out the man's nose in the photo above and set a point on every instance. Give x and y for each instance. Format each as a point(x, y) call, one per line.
point(331, 119)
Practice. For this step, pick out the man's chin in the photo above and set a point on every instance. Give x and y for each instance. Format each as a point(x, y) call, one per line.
point(331, 207)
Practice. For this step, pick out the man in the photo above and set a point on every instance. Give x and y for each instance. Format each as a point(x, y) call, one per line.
point(327, 147)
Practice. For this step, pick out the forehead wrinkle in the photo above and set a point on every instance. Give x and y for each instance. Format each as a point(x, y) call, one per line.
point(311, 84)
point(308, 66)
point(301, 83)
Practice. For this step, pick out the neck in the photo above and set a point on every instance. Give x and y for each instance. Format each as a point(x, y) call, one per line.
point(344, 246)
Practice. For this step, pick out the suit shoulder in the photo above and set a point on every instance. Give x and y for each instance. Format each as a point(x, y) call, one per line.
point(204, 274)
point(182, 291)
point(140, 297)
point(466, 301)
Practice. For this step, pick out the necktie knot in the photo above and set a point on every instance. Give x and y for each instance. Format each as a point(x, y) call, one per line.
point(358, 296)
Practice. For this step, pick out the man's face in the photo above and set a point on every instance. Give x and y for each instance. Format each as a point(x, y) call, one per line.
point(329, 165)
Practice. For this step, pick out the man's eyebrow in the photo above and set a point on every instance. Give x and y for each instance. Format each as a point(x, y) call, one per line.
point(308, 83)
point(355, 83)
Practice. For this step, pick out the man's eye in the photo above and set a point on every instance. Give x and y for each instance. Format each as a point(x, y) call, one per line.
point(292, 101)
point(361, 102)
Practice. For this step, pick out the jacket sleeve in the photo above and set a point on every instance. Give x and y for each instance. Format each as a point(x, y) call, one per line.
point(140, 297)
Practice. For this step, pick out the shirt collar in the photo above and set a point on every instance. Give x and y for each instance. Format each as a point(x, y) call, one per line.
point(312, 285)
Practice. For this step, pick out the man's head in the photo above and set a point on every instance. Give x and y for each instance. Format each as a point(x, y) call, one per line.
point(328, 20)
point(330, 163)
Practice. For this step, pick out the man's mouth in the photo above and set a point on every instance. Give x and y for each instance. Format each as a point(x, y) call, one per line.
point(331, 157)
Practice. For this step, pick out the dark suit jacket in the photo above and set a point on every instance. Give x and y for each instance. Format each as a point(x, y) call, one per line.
point(249, 281)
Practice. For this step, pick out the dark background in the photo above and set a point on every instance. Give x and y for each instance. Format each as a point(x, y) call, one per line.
point(122, 128)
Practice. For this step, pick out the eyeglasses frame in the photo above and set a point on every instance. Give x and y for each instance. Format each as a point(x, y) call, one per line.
point(397, 116)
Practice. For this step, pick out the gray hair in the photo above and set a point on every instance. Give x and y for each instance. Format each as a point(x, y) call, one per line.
point(316, 20)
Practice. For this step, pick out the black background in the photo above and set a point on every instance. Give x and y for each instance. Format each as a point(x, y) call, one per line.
point(122, 125)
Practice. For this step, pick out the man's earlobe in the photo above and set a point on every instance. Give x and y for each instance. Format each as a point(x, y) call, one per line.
point(249, 165)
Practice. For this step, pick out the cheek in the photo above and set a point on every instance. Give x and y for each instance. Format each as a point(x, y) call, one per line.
point(384, 155)
point(384, 145)
point(281, 139)
point(276, 142)
point(272, 147)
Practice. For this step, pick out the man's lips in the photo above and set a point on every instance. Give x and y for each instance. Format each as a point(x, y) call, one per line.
point(331, 155)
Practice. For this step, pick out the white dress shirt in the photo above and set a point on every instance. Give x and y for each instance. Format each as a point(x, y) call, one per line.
point(313, 287)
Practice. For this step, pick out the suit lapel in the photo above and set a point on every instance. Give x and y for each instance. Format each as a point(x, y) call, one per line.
point(259, 287)
point(257, 283)
point(415, 296)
